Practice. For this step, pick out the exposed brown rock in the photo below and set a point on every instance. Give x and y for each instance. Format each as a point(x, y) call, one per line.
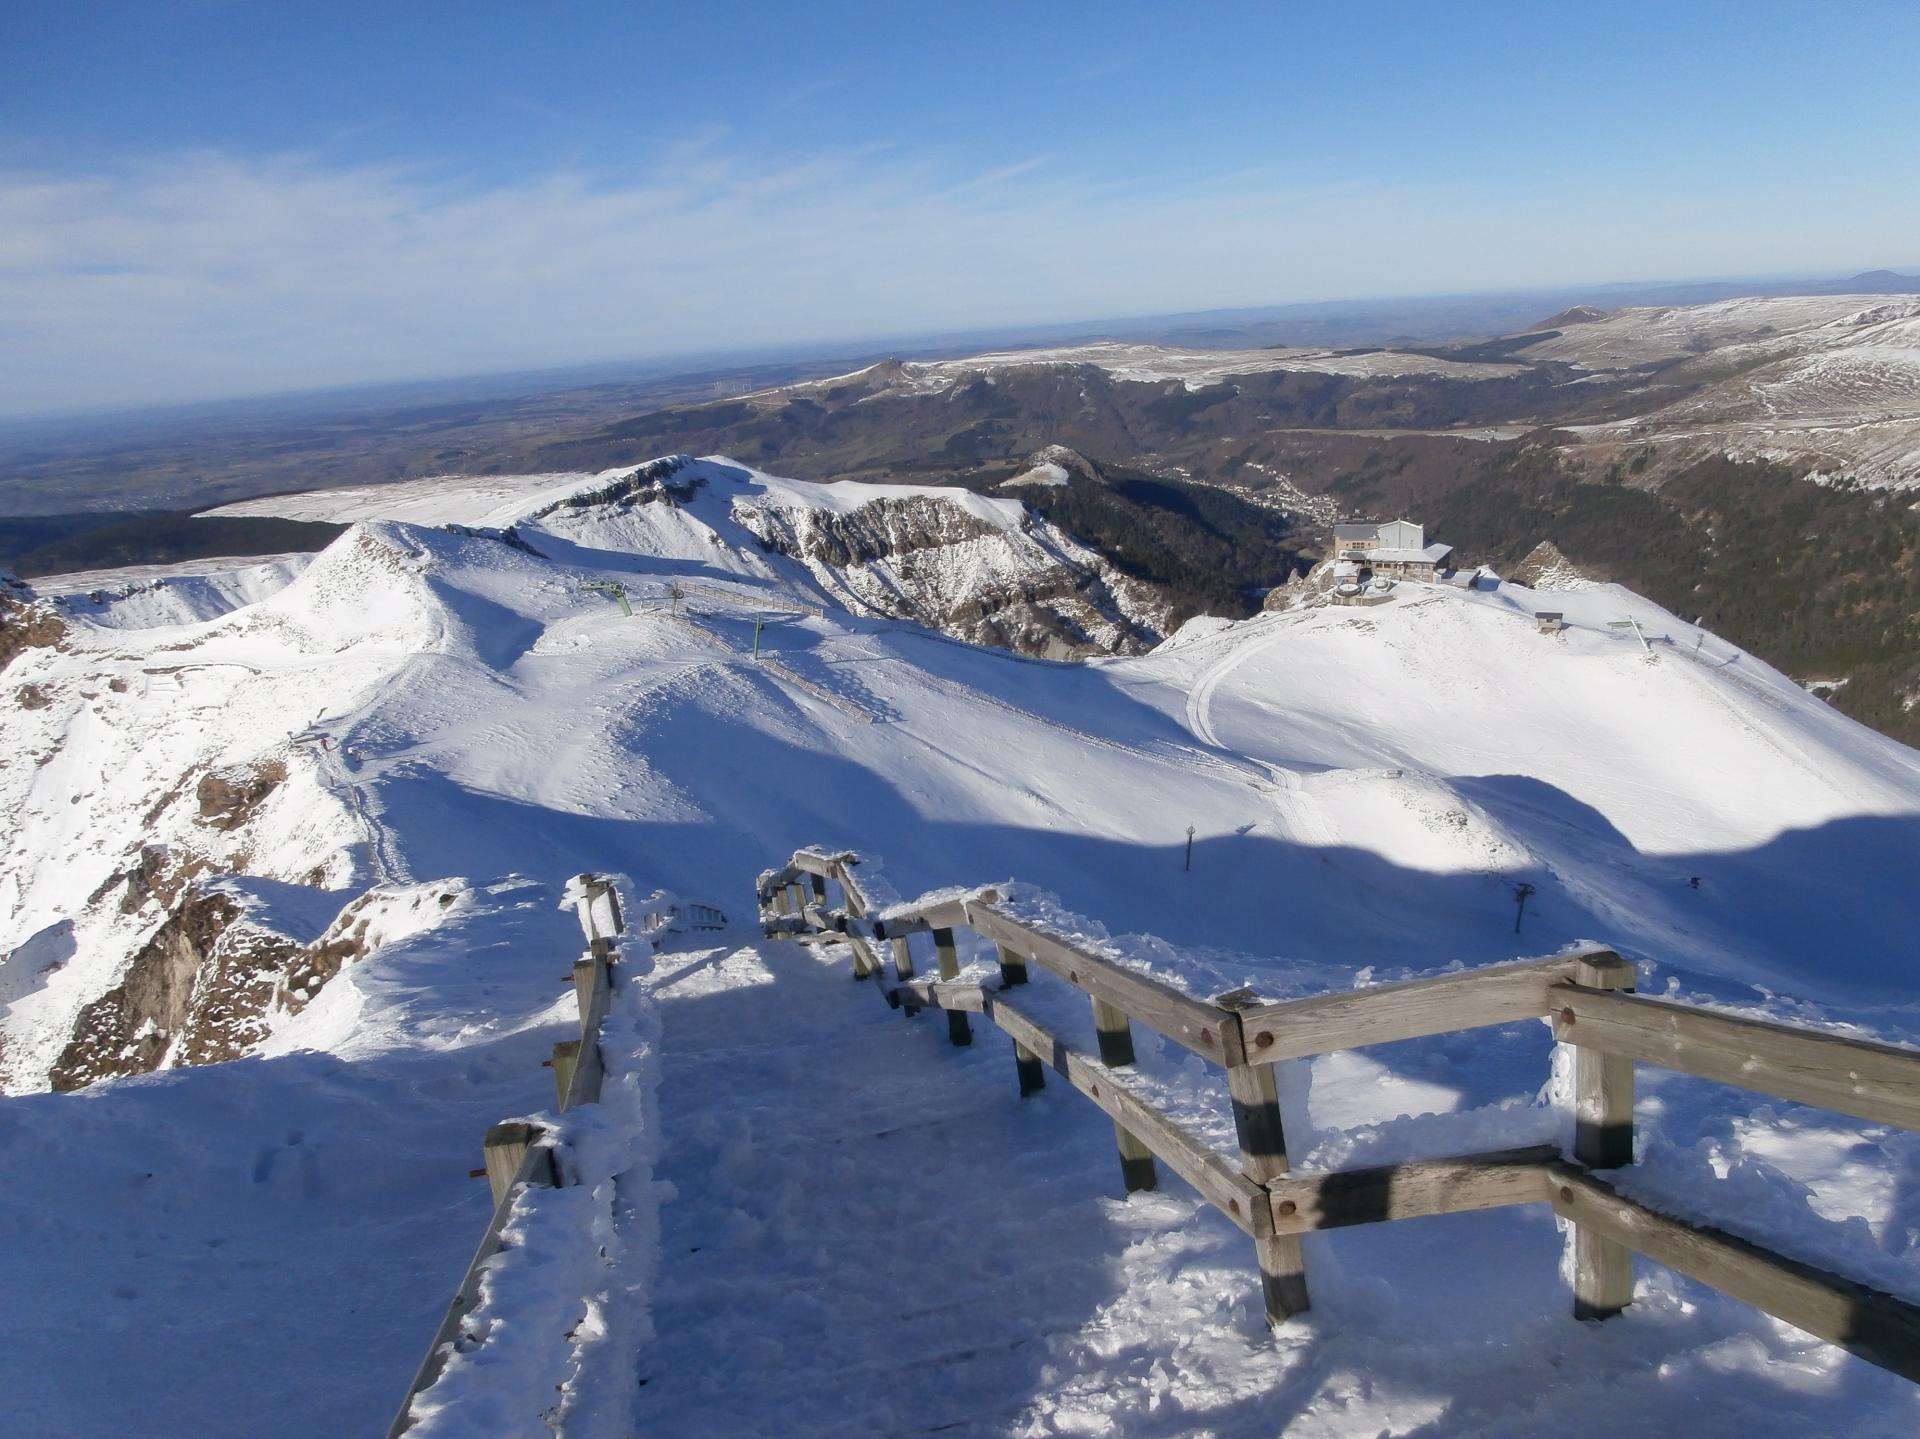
point(1545, 568)
point(158, 874)
point(203, 987)
point(129, 1029)
point(344, 942)
point(1054, 612)
point(32, 697)
point(228, 797)
point(233, 994)
point(25, 625)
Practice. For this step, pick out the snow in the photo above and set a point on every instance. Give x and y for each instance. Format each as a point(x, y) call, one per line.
point(149, 596)
point(952, 547)
point(828, 1221)
point(1047, 474)
point(499, 502)
point(1155, 364)
point(267, 1245)
point(1830, 382)
point(1645, 334)
point(1427, 554)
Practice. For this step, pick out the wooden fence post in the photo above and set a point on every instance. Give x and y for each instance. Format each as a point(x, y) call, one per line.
point(1027, 1067)
point(1115, 1035)
point(959, 1030)
point(1602, 1139)
point(585, 973)
point(1263, 1156)
point(566, 1057)
point(1255, 1092)
point(1013, 966)
point(505, 1148)
point(903, 971)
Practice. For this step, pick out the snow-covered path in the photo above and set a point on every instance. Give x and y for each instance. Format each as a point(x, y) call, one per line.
point(872, 1234)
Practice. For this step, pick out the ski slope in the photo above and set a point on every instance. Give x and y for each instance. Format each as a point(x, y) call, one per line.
point(867, 1225)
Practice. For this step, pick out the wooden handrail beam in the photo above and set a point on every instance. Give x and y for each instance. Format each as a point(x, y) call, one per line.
point(1585, 994)
point(947, 914)
point(1204, 1028)
point(949, 994)
point(1858, 1077)
point(1303, 1203)
point(1239, 1198)
point(1878, 1327)
point(517, 1158)
point(1411, 1009)
point(812, 861)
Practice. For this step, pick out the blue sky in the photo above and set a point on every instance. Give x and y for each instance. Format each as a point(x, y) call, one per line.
point(204, 199)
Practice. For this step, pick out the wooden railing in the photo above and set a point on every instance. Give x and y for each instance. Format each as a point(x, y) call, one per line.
point(1588, 997)
point(520, 1153)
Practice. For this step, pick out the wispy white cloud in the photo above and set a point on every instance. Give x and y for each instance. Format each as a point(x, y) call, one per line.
point(205, 275)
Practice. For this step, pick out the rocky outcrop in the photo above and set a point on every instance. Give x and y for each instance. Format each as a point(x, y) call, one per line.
point(345, 940)
point(207, 983)
point(228, 797)
point(643, 485)
point(157, 875)
point(26, 623)
point(1545, 568)
point(881, 529)
point(1026, 587)
point(130, 1028)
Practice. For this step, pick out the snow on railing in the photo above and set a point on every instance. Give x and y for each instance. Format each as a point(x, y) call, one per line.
point(545, 1284)
point(1586, 994)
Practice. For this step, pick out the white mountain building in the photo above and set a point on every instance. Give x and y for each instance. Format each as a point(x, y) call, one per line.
point(1397, 549)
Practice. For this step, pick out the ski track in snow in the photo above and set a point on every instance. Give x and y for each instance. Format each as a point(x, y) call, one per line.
point(1300, 812)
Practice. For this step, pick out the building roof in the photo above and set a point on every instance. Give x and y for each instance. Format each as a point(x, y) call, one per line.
point(1432, 554)
point(1355, 532)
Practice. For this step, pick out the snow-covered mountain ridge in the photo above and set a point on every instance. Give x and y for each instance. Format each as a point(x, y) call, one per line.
point(1831, 382)
point(264, 741)
point(982, 569)
point(371, 780)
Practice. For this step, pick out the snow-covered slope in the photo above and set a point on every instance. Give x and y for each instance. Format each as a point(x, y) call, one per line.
point(424, 713)
point(983, 570)
point(1829, 380)
point(1143, 363)
point(1651, 334)
point(147, 596)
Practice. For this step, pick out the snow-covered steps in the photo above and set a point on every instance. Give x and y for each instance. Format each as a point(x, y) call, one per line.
point(869, 1234)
